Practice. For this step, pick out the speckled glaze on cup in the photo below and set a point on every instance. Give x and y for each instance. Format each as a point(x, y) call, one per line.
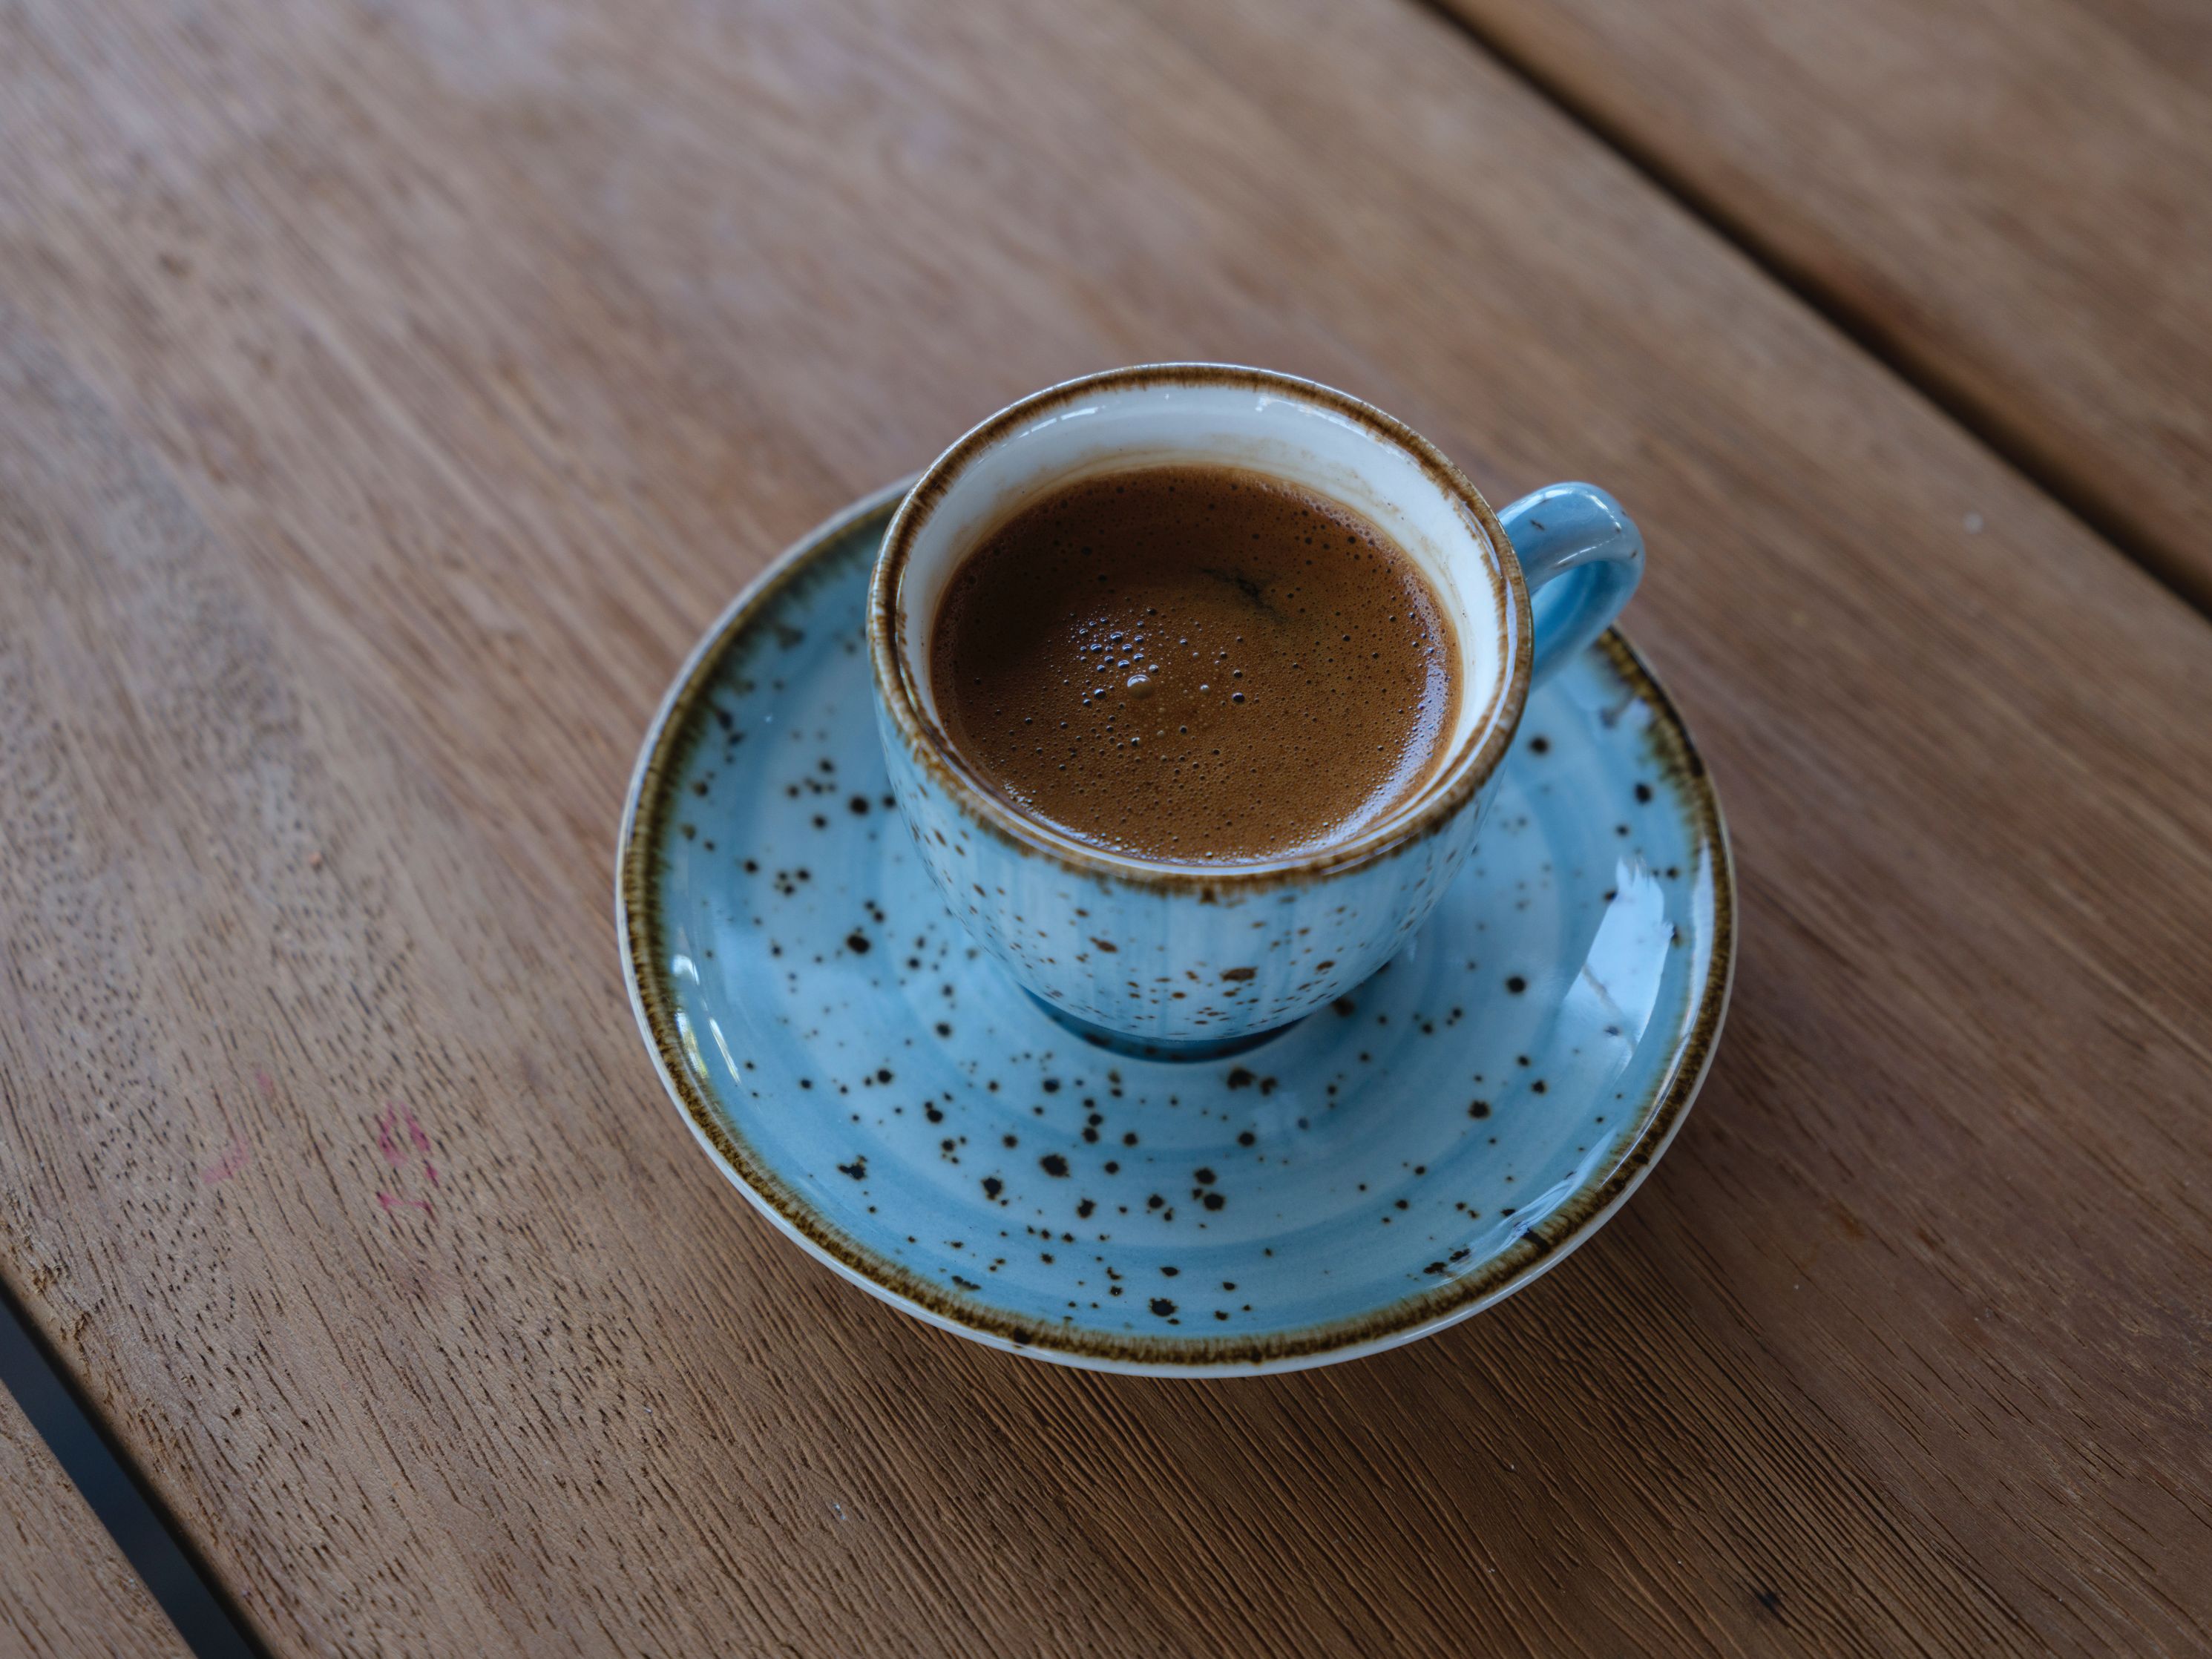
point(1196, 959)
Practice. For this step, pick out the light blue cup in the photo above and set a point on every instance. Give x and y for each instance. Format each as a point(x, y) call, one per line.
point(1201, 959)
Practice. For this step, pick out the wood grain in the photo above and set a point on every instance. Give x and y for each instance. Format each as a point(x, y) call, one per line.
point(2007, 198)
point(388, 396)
point(65, 1590)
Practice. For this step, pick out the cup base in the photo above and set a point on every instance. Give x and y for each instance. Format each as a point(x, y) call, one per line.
point(1137, 1047)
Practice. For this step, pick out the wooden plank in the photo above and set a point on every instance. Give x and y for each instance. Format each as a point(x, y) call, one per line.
point(2007, 198)
point(65, 1589)
point(387, 397)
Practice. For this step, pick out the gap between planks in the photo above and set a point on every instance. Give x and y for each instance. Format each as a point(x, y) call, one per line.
point(1864, 327)
point(118, 1493)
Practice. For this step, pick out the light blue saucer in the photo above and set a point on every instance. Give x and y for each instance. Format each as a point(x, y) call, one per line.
point(885, 1095)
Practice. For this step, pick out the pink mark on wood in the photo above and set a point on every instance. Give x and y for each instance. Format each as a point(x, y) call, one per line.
point(266, 1084)
point(386, 1141)
point(233, 1159)
point(388, 1123)
point(422, 1144)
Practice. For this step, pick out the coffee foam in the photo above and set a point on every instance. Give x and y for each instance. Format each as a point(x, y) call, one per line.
point(1195, 664)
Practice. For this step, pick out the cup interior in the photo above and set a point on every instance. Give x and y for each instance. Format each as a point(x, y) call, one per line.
point(1304, 434)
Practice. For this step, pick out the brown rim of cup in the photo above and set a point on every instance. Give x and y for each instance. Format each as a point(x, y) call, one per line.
point(1454, 784)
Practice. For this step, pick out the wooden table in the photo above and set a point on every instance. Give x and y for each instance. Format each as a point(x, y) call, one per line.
point(390, 393)
point(2006, 199)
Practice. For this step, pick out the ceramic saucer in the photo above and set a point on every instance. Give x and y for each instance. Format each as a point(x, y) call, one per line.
point(885, 1095)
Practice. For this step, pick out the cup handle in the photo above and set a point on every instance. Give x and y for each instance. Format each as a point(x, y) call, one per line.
point(1583, 557)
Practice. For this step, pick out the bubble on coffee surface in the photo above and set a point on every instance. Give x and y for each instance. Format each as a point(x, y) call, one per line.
point(1197, 664)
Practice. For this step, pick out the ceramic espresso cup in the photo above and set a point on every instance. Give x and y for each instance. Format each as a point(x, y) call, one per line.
point(1200, 959)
